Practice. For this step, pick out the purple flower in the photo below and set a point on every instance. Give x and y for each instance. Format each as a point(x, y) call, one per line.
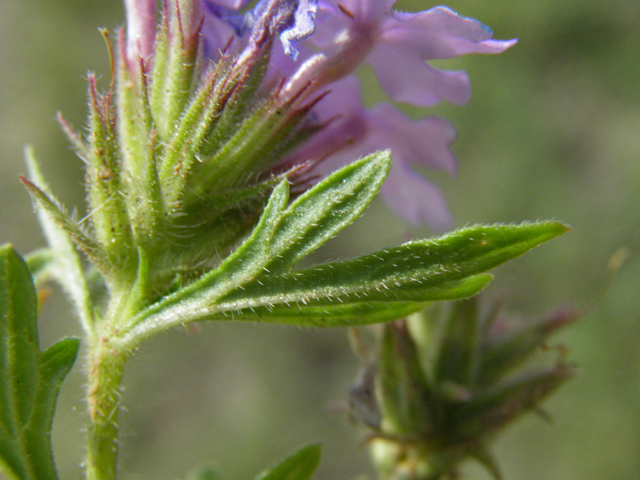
point(292, 20)
point(405, 41)
point(354, 31)
point(228, 4)
point(220, 22)
point(355, 132)
point(331, 39)
point(141, 30)
point(221, 25)
point(397, 45)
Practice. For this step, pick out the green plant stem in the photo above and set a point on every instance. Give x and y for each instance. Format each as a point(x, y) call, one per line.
point(103, 397)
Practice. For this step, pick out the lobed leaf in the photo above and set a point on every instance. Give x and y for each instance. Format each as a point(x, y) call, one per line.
point(30, 379)
point(256, 281)
point(326, 209)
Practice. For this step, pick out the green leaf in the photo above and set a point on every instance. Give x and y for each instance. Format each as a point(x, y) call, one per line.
point(29, 378)
point(282, 236)
point(322, 315)
point(256, 277)
point(342, 315)
point(416, 271)
point(299, 466)
point(340, 282)
point(326, 209)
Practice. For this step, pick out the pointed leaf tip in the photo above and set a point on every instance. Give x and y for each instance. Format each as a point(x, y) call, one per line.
point(299, 466)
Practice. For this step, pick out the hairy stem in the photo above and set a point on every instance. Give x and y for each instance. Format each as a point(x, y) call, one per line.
point(103, 397)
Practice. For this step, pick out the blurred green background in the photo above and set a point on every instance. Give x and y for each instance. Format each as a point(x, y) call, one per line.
point(552, 131)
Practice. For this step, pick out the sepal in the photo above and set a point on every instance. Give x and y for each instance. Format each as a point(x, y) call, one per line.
point(457, 359)
point(138, 152)
point(106, 193)
point(185, 141)
point(205, 473)
point(174, 72)
point(502, 354)
point(493, 409)
point(61, 218)
point(406, 398)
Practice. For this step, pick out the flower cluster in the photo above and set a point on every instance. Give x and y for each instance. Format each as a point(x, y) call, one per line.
point(323, 44)
point(217, 104)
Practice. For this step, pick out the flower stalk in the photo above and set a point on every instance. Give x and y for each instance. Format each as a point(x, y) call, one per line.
point(103, 398)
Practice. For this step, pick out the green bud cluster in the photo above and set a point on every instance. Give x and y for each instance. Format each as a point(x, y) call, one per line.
point(180, 160)
point(429, 412)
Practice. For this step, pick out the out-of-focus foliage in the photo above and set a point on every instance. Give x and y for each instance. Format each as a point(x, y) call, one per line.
point(551, 132)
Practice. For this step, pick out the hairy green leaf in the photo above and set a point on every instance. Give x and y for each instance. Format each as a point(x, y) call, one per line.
point(416, 271)
point(256, 281)
point(341, 315)
point(283, 236)
point(299, 466)
point(326, 209)
point(30, 379)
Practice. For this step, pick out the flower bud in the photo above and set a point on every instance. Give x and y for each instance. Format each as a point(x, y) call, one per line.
point(437, 410)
